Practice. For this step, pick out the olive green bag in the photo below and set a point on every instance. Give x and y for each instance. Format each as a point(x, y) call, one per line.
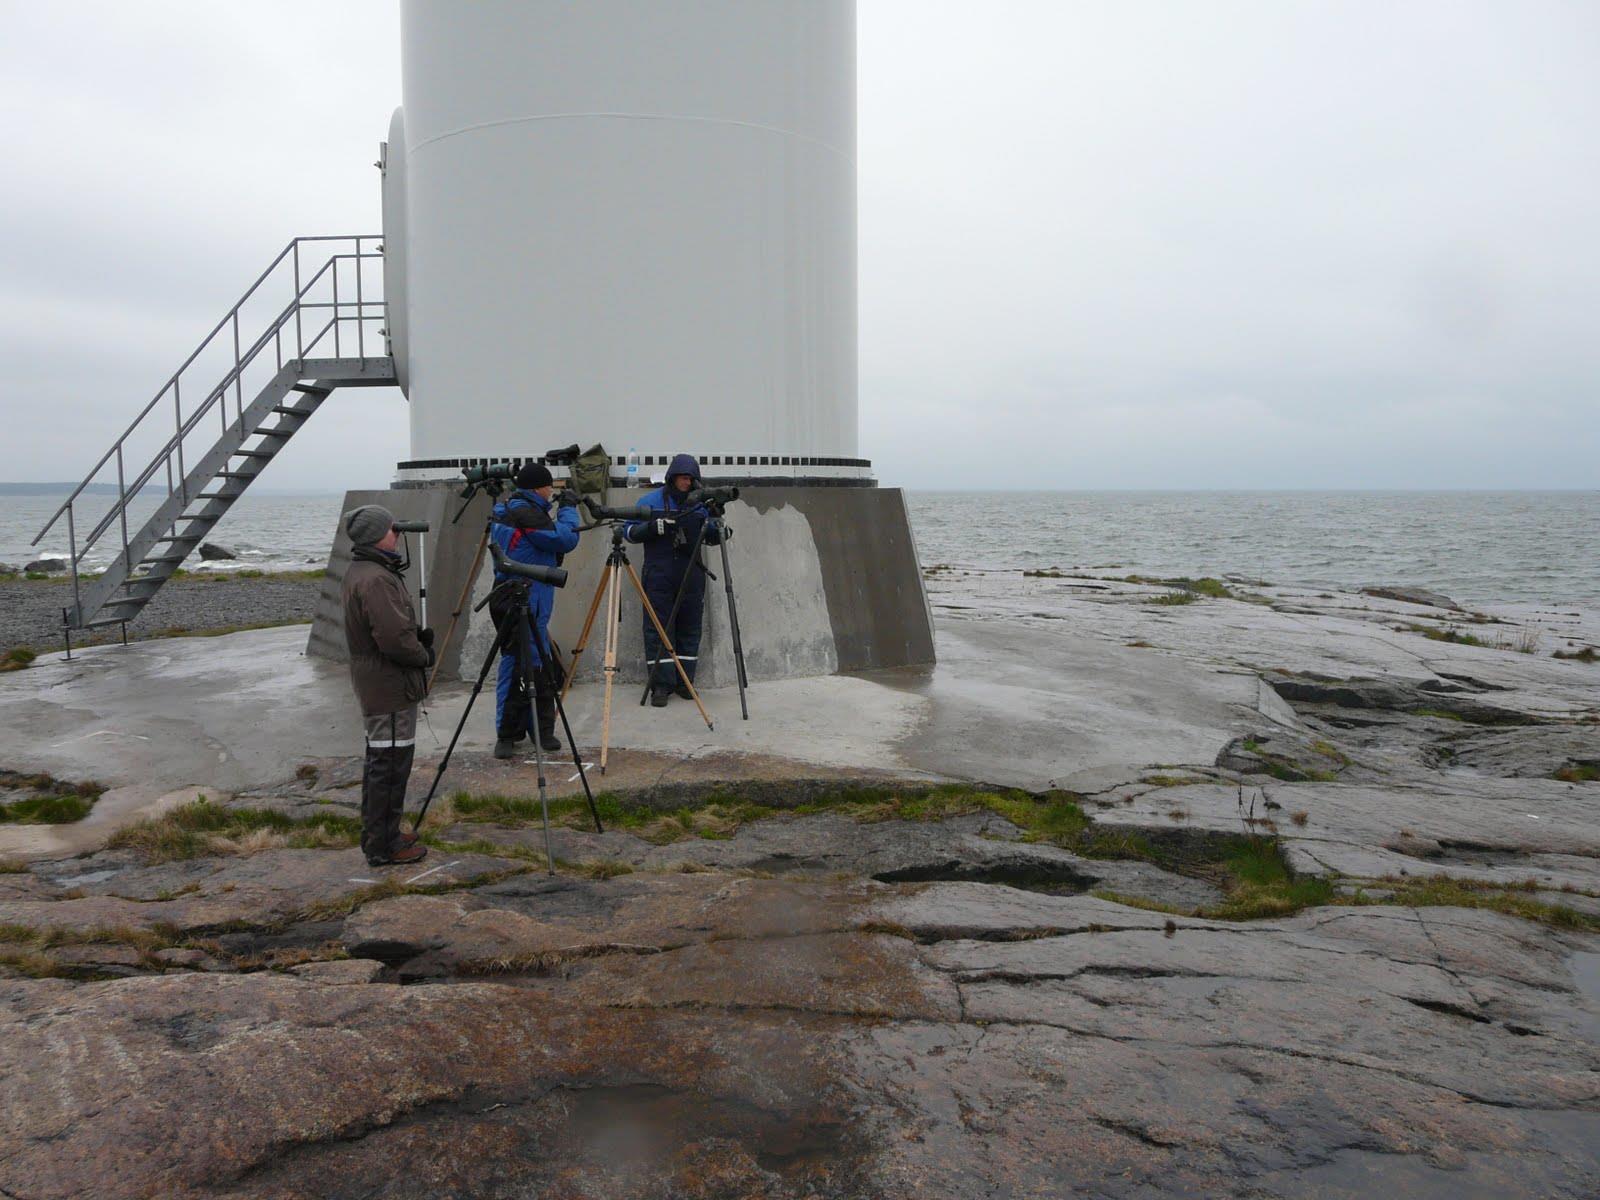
point(591, 472)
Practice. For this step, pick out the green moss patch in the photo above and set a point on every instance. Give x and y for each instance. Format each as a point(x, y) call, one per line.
point(43, 800)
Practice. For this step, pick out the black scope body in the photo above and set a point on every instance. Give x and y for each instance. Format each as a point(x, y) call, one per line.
point(635, 512)
point(491, 471)
point(554, 576)
point(411, 527)
point(563, 456)
point(711, 495)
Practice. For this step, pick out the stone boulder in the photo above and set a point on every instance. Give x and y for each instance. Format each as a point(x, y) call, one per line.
point(48, 566)
point(212, 552)
point(1412, 595)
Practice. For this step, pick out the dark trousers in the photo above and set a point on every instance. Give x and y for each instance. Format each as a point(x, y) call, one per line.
point(514, 709)
point(391, 745)
point(512, 715)
point(661, 586)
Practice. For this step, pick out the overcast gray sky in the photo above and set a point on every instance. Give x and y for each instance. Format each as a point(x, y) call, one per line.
point(1124, 244)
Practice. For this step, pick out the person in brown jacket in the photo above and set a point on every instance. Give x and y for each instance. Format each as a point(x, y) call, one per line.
point(389, 655)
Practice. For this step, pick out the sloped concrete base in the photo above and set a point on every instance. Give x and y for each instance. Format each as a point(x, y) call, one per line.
point(825, 580)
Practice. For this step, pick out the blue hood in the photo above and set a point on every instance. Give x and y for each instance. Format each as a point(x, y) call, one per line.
point(683, 464)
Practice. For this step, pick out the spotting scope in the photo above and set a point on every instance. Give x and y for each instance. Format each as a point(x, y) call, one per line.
point(411, 527)
point(554, 576)
point(634, 512)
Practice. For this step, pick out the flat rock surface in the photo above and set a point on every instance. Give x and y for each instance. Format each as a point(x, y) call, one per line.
point(816, 1005)
point(708, 1034)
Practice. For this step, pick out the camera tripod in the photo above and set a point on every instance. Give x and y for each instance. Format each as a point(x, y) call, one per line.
point(715, 511)
point(610, 588)
point(516, 629)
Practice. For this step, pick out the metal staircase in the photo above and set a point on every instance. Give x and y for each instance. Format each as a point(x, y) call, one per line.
point(198, 458)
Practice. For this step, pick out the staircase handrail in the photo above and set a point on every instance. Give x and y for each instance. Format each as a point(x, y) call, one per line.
point(172, 384)
point(218, 394)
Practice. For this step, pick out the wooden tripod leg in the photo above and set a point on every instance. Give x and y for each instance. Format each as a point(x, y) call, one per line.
point(461, 603)
point(583, 638)
point(667, 642)
point(613, 618)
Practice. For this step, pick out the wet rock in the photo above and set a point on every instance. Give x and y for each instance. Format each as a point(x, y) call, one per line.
point(1519, 754)
point(182, 958)
point(1428, 697)
point(467, 1090)
point(48, 566)
point(787, 1038)
point(213, 552)
point(1412, 595)
point(253, 890)
point(340, 971)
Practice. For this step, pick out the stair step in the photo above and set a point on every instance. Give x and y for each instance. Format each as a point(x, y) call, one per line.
point(290, 412)
point(103, 622)
point(126, 601)
point(212, 496)
point(237, 475)
point(312, 389)
point(254, 453)
point(159, 558)
point(276, 432)
point(180, 537)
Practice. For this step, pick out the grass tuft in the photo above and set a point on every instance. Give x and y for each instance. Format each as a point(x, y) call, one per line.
point(1587, 655)
point(1443, 891)
point(202, 827)
point(1578, 773)
point(17, 658)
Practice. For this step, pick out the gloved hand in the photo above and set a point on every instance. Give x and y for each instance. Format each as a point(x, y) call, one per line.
point(660, 527)
point(425, 636)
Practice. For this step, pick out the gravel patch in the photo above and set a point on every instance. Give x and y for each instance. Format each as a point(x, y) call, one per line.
point(30, 610)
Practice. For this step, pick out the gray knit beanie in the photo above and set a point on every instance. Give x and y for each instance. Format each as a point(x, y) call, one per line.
point(367, 525)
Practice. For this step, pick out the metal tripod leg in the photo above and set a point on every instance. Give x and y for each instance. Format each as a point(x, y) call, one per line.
point(613, 620)
point(525, 682)
point(461, 602)
point(483, 673)
point(733, 626)
point(667, 642)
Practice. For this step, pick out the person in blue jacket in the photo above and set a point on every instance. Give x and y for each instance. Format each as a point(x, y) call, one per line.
point(528, 527)
point(668, 564)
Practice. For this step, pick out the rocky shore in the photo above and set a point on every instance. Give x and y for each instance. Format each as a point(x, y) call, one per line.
point(30, 609)
point(1341, 938)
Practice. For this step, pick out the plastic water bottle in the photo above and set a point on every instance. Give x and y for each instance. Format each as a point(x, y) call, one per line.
point(633, 467)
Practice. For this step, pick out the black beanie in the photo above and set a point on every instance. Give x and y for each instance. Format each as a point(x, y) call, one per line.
point(533, 476)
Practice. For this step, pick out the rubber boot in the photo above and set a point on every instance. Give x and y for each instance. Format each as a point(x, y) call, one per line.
point(545, 707)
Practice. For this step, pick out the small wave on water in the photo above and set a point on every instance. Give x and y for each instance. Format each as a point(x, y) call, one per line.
point(267, 531)
point(1479, 547)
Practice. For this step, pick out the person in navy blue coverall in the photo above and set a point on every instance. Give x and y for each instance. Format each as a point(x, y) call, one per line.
point(523, 526)
point(668, 564)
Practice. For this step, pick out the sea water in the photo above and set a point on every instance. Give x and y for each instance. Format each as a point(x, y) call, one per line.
point(1477, 547)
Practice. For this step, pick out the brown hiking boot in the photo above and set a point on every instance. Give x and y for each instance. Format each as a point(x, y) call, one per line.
point(401, 855)
point(407, 838)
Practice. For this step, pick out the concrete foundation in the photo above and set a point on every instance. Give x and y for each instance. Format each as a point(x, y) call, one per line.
point(826, 580)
